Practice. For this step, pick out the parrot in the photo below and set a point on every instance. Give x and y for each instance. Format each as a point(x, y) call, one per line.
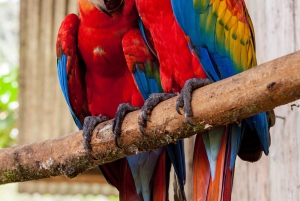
point(169, 50)
point(143, 64)
point(97, 85)
point(222, 35)
point(199, 42)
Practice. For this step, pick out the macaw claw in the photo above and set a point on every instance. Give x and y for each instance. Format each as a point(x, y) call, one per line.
point(122, 110)
point(90, 122)
point(153, 100)
point(185, 97)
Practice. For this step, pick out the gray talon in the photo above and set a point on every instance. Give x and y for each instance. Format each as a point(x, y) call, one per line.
point(150, 103)
point(145, 116)
point(179, 104)
point(122, 110)
point(185, 97)
point(187, 118)
point(89, 125)
point(116, 142)
point(142, 129)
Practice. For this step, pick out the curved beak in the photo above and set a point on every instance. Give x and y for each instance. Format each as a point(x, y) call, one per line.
point(101, 6)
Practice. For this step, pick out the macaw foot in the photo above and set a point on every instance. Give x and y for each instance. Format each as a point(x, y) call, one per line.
point(122, 110)
point(89, 125)
point(185, 97)
point(153, 100)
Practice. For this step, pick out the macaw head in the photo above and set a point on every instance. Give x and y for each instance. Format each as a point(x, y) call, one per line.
point(109, 8)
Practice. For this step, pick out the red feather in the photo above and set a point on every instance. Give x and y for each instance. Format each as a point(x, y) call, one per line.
point(228, 177)
point(127, 190)
point(201, 171)
point(108, 79)
point(160, 188)
point(177, 63)
point(215, 186)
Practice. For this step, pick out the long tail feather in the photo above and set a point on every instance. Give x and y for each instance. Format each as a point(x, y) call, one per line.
point(142, 168)
point(201, 170)
point(212, 140)
point(111, 172)
point(127, 189)
point(176, 155)
point(213, 175)
point(161, 178)
point(229, 169)
point(215, 187)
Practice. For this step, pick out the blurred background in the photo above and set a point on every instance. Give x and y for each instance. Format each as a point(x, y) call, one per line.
point(32, 106)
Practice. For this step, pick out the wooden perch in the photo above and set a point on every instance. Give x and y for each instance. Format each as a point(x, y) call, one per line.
point(259, 89)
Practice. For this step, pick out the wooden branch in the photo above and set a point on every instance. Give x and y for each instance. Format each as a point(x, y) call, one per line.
point(259, 89)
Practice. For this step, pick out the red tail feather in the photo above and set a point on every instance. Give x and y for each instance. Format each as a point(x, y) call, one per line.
point(201, 170)
point(228, 176)
point(160, 186)
point(127, 189)
point(215, 186)
point(204, 187)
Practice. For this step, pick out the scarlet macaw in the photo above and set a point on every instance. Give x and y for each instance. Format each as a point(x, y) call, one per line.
point(94, 79)
point(222, 34)
point(172, 50)
point(145, 69)
point(219, 34)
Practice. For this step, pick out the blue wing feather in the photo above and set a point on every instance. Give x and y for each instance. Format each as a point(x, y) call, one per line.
point(147, 85)
point(63, 81)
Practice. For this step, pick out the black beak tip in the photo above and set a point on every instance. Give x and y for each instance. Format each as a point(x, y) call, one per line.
point(104, 10)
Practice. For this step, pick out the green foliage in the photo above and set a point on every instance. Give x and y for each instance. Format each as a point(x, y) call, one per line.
point(9, 31)
point(8, 105)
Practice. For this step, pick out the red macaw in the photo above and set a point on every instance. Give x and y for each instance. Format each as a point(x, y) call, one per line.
point(94, 79)
point(222, 35)
point(172, 51)
point(144, 66)
point(219, 35)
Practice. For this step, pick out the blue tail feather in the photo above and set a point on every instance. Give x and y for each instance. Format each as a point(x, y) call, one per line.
point(236, 134)
point(142, 167)
point(212, 141)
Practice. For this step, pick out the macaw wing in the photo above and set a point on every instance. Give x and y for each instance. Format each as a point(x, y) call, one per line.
point(142, 64)
point(221, 33)
point(71, 69)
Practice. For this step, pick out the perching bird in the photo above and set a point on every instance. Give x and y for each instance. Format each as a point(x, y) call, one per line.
point(144, 67)
point(168, 43)
point(220, 35)
point(95, 79)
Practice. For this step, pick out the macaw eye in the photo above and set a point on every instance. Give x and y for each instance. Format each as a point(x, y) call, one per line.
point(112, 5)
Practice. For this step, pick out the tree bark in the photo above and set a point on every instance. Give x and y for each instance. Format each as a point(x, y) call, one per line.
point(259, 89)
